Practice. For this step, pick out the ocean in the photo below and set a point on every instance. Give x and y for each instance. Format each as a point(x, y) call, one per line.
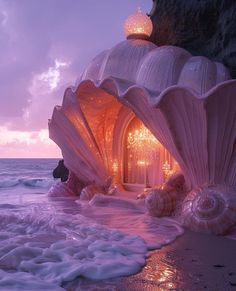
point(24, 180)
point(62, 243)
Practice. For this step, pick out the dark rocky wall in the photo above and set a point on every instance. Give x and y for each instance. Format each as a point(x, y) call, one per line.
point(203, 27)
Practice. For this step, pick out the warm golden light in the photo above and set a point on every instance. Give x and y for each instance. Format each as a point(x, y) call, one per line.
point(167, 171)
point(138, 25)
point(142, 137)
point(115, 166)
point(146, 161)
point(142, 142)
point(115, 170)
point(141, 163)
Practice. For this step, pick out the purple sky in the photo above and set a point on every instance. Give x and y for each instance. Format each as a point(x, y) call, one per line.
point(44, 47)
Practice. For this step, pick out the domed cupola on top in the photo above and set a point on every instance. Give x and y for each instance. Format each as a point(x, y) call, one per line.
point(138, 26)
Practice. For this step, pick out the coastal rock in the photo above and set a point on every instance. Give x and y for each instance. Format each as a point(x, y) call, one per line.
point(202, 27)
point(61, 171)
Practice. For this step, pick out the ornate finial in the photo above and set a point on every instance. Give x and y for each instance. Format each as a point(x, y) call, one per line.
point(138, 25)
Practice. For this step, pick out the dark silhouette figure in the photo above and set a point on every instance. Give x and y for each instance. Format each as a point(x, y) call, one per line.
point(61, 171)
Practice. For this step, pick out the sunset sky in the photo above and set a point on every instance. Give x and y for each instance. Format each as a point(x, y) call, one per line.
point(44, 47)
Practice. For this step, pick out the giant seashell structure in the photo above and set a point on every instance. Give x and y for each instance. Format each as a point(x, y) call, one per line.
point(187, 102)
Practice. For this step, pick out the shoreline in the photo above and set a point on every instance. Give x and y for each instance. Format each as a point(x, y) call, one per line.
point(193, 262)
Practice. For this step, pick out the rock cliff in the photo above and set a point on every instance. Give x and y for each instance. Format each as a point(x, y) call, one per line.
point(203, 27)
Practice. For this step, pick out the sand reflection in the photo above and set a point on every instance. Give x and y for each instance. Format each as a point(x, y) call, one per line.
point(160, 272)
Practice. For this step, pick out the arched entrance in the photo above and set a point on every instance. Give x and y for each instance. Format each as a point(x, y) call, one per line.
point(146, 163)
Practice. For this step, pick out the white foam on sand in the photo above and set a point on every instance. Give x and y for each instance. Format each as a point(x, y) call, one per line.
point(130, 216)
point(43, 246)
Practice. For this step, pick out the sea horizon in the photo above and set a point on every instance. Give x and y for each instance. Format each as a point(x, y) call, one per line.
point(27, 158)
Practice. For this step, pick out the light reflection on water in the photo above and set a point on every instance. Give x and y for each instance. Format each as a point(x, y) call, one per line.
point(160, 274)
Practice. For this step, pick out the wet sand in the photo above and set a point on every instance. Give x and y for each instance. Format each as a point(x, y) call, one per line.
point(193, 262)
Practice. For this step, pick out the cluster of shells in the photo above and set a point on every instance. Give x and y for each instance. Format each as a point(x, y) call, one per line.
point(209, 209)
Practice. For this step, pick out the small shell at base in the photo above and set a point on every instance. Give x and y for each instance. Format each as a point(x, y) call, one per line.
point(89, 191)
point(210, 209)
point(60, 189)
point(160, 202)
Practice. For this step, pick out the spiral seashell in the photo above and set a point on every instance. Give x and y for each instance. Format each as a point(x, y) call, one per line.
point(210, 209)
point(160, 202)
point(89, 191)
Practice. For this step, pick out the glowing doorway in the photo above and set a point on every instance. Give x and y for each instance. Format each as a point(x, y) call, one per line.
point(146, 161)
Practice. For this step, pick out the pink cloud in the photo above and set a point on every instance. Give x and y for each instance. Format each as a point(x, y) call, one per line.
point(19, 144)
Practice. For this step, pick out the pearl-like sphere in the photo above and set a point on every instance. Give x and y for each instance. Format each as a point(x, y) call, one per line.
point(138, 24)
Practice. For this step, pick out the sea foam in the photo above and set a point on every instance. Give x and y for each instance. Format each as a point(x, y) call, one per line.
point(58, 247)
point(56, 242)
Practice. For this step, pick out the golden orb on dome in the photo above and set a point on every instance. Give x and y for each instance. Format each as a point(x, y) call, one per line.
point(138, 25)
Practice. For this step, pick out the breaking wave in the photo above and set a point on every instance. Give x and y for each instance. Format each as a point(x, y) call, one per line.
point(27, 182)
point(53, 248)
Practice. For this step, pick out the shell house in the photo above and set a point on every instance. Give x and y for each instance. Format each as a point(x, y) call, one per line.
point(142, 113)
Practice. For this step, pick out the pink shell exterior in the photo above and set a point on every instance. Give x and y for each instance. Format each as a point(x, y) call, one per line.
point(210, 210)
point(185, 101)
point(156, 68)
point(199, 132)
